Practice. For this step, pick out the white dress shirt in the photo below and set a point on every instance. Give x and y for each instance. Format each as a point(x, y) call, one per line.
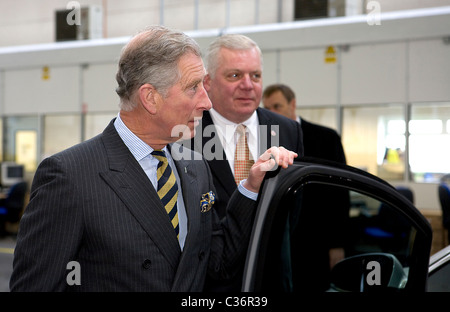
point(226, 131)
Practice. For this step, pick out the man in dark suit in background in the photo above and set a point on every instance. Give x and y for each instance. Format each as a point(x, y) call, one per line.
point(129, 210)
point(321, 232)
point(318, 141)
point(234, 85)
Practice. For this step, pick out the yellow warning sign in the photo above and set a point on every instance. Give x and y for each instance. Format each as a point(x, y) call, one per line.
point(45, 73)
point(330, 55)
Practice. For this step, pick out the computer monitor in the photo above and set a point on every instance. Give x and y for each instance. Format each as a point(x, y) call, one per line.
point(11, 173)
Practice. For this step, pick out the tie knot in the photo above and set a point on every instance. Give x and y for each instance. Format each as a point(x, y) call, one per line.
point(240, 129)
point(160, 155)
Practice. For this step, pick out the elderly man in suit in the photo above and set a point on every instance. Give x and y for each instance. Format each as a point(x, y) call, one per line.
point(234, 85)
point(130, 210)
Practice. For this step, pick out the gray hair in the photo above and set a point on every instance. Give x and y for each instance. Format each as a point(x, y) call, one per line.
point(228, 41)
point(151, 57)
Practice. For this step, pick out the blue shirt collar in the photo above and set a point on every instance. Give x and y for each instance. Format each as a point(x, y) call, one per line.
point(137, 147)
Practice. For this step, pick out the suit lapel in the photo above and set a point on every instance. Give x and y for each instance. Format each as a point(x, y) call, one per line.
point(191, 196)
point(133, 187)
point(188, 185)
point(268, 131)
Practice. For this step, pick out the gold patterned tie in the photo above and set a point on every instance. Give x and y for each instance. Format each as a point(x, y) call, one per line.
point(243, 160)
point(167, 188)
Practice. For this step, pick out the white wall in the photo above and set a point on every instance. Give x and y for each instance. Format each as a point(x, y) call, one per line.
point(25, 22)
point(313, 80)
point(98, 86)
point(429, 70)
point(374, 73)
point(27, 92)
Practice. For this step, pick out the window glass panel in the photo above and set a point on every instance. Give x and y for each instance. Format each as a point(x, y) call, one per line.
point(310, 241)
point(425, 126)
point(1, 139)
point(26, 149)
point(374, 139)
point(95, 123)
point(61, 132)
point(23, 130)
point(429, 141)
point(438, 280)
point(321, 116)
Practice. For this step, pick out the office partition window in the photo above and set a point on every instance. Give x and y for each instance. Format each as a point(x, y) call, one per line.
point(429, 141)
point(374, 139)
point(1, 139)
point(325, 116)
point(21, 142)
point(95, 123)
point(60, 132)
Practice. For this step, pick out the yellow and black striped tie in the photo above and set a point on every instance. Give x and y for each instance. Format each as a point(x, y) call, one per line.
point(167, 188)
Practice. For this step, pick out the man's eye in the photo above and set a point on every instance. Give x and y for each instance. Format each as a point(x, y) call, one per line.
point(234, 76)
point(193, 88)
point(256, 77)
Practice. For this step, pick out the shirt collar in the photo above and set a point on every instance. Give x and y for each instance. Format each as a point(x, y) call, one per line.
point(227, 128)
point(137, 147)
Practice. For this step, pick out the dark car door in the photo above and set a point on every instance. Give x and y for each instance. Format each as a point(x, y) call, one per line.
point(439, 271)
point(323, 226)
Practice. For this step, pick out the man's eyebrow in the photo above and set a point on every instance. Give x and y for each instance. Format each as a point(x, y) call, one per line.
point(191, 83)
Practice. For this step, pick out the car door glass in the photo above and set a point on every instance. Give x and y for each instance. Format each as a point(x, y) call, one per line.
point(439, 271)
point(321, 225)
point(439, 280)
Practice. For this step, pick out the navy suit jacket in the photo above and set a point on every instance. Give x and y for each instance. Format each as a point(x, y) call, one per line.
point(322, 142)
point(275, 129)
point(94, 204)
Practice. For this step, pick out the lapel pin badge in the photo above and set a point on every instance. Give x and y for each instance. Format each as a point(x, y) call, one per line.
point(207, 201)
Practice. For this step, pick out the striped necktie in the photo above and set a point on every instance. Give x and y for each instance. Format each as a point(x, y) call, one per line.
point(242, 158)
point(167, 188)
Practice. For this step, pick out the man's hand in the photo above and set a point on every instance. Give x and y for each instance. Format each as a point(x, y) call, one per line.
point(270, 160)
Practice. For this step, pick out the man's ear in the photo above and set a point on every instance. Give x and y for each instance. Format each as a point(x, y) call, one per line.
point(293, 104)
point(147, 96)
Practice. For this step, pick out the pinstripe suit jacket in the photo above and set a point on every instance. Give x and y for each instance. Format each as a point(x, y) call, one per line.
point(93, 204)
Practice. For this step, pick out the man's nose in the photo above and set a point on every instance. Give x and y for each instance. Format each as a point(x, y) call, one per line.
point(204, 101)
point(246, 82)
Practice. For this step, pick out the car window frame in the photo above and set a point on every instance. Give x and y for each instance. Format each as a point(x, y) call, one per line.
point(277, 184)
